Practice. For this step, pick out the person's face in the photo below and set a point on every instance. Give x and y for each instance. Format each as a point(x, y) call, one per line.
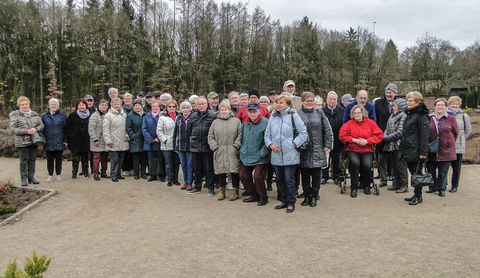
point(24, 106)
point(113, 94)
point(53, 106)
point(194, 105)
point(395, 108)
point(213, 102)
point(186, 110)
point(171, 107)
point(201, 105)
point(318, 104)
point(440, 107)
point(164, 101)
point(264, 102)
point(141, 98)
point(234, 100)
point(346, 102)
point(332, 100)
point(390, 95)
point(362, 97)
point(224, 111)
point(272, 97)
point(103, 106)
point(280, 104)
point(90, 102)
point(308, 103)
point(137, 107)
point(82, 107)
point(357, 114)
point(411, 103)
point(149, 100)
point(253, 99)
point(127, 101)
point(454, 105)
point(155, 107)
point(253, 114)
point(289, 89)
point(117, 105)
point(243, 101)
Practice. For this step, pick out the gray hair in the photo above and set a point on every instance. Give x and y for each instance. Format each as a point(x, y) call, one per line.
point(127, 95)
point(332, 93)
point(169, 96)
point(232, 93)
point(186, 103)
point(201, 97)
point(318, 99)
point(193, 98)
point(112, 89)
point(54, 100)
point(115, 100)
point(243, 95)
point(103, 101)
point(264, 97)
point(225, 103)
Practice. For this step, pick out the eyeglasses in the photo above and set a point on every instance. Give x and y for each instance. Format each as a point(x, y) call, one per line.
point(308, 100)
point(171, 106)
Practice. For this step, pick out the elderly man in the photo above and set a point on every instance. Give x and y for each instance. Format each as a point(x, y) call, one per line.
point(148, 101)
point(253, 97)
point(334, 113)
point(289, 89)
point(383, 110)
point(112, 93)
point(362, 99)
point(346, 100)
point(141, 97)
point(272, 96)
point(90, 104)
point(234, 99)
point(212, 99)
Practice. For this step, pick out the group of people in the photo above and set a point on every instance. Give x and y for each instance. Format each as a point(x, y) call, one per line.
point(245, 138)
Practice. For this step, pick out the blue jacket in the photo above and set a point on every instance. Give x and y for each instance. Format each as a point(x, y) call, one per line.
point(370, 109)
point(149, 130)
point(281, 133)
point(54, 130)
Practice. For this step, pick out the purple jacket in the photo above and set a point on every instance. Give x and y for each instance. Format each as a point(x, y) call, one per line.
point(448, 136)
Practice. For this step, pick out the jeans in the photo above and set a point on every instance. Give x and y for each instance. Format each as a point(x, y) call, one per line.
point(360, 163)
point(254, 186)
point(116, 161)
point(54, 160)
point(203, 166)
point(28, 156)
point(171, 165)
point(186, 159)
point(100, 158)
point(155, 165)
point(311, 181)
point(439, 171)
point(456, 169)
point(286, 183)
point(336, 163)
point(140, 162)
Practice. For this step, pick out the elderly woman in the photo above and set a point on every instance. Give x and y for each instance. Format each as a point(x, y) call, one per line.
point(264, 101)
point(444, 127)
point(318, 102)
point(115, 136)
point(181, 144)
point(24, 123)
point(164, 99)
point(243, 99)
point(97, 143)
point(127, 106)
point(135, 135)
point(360, 134)
point(413, 147)
point(392, 137)
point(225, 139)
point(54, 121)
point(464, 130)
point(193, 101)
point(151, 143)
point(165, 131)
point(284, 134)
point(78, 139)
point(313, 155)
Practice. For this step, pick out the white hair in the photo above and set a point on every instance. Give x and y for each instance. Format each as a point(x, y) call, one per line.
point(243, 95)
point(264, 97)
point(332, 93)
point(167, 95)
point(186, 103)
point(115, 100)
point(127, 95)
point(54, 100)
point(112, 90)
point(193, 98)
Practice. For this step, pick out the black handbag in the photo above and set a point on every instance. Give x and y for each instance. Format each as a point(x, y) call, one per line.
point(433, 145)
point(418, 180)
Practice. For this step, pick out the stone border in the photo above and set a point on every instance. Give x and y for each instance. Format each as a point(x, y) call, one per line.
point(11, 219)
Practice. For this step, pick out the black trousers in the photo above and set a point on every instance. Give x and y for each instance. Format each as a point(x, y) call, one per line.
point(412, 168)
point(203, 166)
point(54, 160)
point(222, 179)
point(456, 169)
point(336, 164)
point(311, 181)
point(140, 162)
point(360, 163)
point(76, 158)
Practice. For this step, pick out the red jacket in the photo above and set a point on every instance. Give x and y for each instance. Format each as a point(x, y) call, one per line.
point(366, 129)
point(242, 114)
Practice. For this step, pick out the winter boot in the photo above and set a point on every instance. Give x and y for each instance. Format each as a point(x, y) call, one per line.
point(221, 193)
point(234, 195)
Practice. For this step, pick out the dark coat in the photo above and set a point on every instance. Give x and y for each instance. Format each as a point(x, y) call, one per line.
point(134, 130)
point(76, 131)
point(149, 131)
point(415, 134)
point(383, 112)
point(447, 138)
point(181, 141)
point(54, 130)
point(319, 136)
point(198, 128)
point(335, 118)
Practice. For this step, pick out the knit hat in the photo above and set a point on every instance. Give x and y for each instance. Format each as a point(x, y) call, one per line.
point(253, 92)
point(392, 87)
point(401, 103)
point(137, 101)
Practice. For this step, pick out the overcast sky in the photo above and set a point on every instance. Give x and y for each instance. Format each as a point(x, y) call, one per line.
point(403, 21)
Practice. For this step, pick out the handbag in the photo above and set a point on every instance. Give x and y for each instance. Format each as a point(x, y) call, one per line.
point(38, 138)
point(419, 180)
point(433, 145)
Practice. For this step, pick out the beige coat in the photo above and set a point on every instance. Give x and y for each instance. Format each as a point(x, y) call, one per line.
point(225, 140)
point(114, 130)
point(95, 130)
point(19, 126)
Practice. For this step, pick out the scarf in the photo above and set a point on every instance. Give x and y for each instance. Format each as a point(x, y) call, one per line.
point(102, 112)
point(27, 114)
point(453, 112)
point(83, 115)
point(173, 115)
point(139, 113)
point(394, 118)
point(187, 117)
point(155, 114)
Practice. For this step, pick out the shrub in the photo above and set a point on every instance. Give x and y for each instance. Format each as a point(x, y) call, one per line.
point(469, 110)
point(34, 267)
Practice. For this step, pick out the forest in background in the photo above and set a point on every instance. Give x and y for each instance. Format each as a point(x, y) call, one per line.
point(68, 49)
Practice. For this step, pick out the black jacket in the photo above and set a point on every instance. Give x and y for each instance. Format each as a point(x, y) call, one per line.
point(335, 118)
point(416, 130)
point(383, 113)
point(76, 131)
point(198, 127)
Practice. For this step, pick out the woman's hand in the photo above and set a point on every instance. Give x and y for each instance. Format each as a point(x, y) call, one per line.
point(326, 149)
point(422, 156)
point(31, 131)
point(97, 143)
point(274, 148)
point(155, 140)
point(110, 145)
point(126, 138)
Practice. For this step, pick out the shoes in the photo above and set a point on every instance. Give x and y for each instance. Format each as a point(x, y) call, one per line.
point(176, 183)
point(169, 183)
point(393, 187)
point(322, 181)
point(211, 193)
point(244, 193)
point(415, 201)
point(120, 178)
point(221, 194)
point(300, 196)
point(189, 187)
point(453, 190)
point(269, 187)
point(163, 179)
point(144, 177)
point(290, 209)
point(366, 190)
point(152, 178)
point(194, 191)
point(59, 178)
point(86, 175)
point(50, 178)
point(353, 193)
point(33, 180)
point(390, 178)
point(136, 177)
point(313, 202)
point(115, 179)
point(441, 193)
point(74, 176)
point(377, 177)
point(281, 206)
point(96, 177)
point(336, 181)
point(104, 175)
point(24, 183)
point(306, 201)
point(249, 200)
point(262, 202)
point(431, 191)
point(234, 195)
point(383, 183)
point(403, 189)
point(409, 198)
point(184, 186)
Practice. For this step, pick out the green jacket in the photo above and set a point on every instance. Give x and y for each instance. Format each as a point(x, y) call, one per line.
point(134, 131)
point(253, 151)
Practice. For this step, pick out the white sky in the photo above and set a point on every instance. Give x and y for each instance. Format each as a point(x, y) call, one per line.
point(403, 21)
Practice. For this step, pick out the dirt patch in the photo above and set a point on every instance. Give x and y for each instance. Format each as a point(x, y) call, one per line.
point(19, 198)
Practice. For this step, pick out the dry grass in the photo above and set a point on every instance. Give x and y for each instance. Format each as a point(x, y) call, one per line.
point(472, 156)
